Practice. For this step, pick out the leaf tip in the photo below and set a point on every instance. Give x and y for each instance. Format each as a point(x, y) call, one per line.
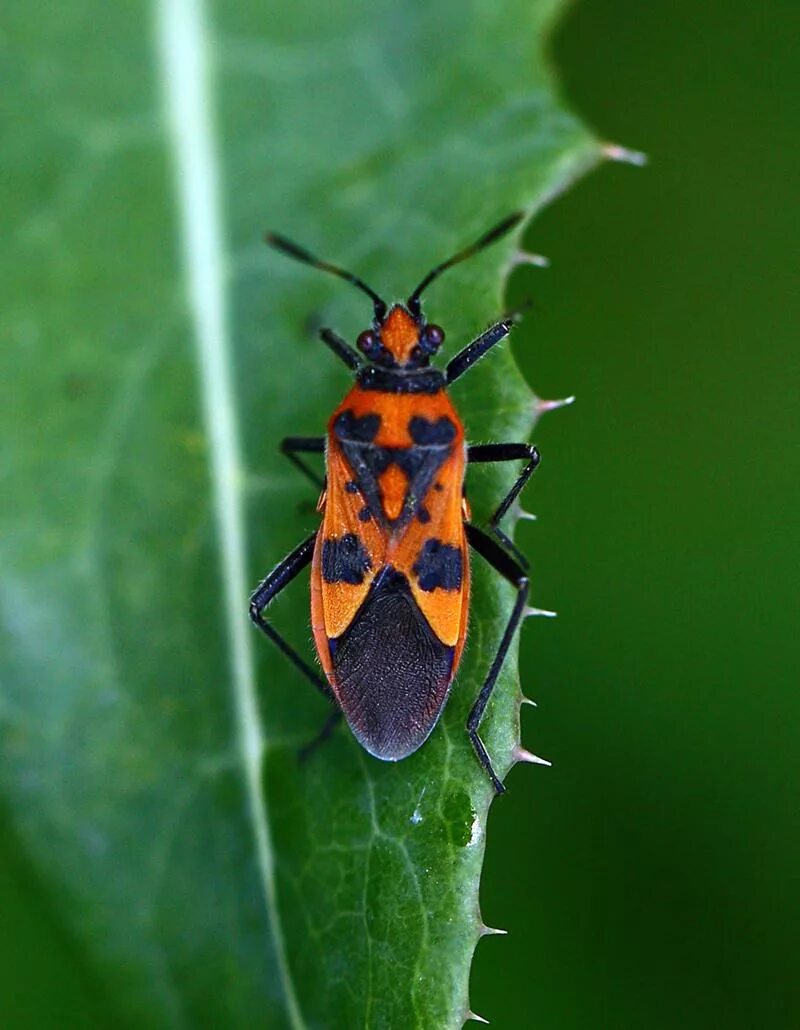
point(519, 754)
point(491, 931)
point(623, 155)
point(530, 612)
point(542, 407)
point(525, 257)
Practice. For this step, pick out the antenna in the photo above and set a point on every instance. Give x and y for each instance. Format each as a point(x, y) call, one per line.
point(488, 238)
point(280, 243)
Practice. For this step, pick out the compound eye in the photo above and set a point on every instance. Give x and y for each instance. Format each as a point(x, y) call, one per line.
point(432, 338)
point(367, 342)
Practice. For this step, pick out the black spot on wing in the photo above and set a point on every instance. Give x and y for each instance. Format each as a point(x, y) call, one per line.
point(357, 430)
point(439, 566)
point(427, 432)
point(391, 671)
point(344, 560)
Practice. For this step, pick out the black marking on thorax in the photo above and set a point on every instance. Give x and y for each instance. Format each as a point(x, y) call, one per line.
point(386, 380)
point(349, 426)
point(420, 463)
point(429, 433)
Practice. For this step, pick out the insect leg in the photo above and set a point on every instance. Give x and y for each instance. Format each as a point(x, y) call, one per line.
point(292, 445)
point(269, 588)
point(474, 351)
point(330, 725)
point(507, 452)
point(503, 563)
point(341, 348)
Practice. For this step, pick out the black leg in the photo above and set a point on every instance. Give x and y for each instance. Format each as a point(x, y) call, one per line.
point(341, 349)
point(331, 723)
point(474, 351)
point(503, 563)
point(507, 452)
point(269, 588)
point(292, 445)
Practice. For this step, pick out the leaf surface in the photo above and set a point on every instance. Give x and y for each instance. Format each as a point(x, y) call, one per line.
point(148, 735)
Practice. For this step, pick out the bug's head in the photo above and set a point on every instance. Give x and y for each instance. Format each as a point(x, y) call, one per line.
point(400, 339)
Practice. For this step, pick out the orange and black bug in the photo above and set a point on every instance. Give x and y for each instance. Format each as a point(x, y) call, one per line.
point(390, 575)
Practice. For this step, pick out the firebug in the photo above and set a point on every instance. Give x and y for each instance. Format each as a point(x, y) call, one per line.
point(390, 570)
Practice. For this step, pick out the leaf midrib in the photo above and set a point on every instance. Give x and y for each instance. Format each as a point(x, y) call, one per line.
point(182, 44)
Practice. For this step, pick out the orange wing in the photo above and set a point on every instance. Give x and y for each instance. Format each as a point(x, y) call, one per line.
point(389, 606)
point(390, 577)
point(349, 553)
point(433, 555)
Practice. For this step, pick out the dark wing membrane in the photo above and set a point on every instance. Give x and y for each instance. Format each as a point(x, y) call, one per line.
point(391, 673)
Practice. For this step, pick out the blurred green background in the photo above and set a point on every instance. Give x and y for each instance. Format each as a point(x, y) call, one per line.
point(650, 879)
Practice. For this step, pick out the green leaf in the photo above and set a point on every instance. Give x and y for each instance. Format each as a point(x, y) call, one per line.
point(158, 353)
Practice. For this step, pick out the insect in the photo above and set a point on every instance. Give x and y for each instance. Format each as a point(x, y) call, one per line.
point(390, 571)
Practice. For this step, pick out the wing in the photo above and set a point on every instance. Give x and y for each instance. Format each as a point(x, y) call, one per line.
point(432, 553)
point(391, 673)
point(348, 555)
point(390, 593)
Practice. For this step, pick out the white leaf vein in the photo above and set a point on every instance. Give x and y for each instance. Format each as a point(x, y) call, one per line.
point(183, 47)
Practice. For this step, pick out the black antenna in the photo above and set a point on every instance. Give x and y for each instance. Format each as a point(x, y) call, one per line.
point(493, 234)
point(279, 242)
